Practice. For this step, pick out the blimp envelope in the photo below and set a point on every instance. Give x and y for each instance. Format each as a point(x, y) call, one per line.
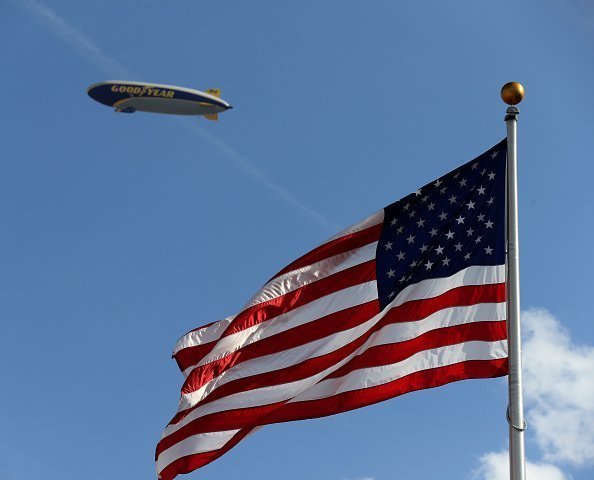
point(129, 97)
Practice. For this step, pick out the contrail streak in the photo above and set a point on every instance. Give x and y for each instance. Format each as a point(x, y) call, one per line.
point(72, 36)
point(110, 66)
point(253, 171)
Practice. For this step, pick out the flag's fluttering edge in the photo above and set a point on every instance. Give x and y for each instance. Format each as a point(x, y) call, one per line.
point(413, 297)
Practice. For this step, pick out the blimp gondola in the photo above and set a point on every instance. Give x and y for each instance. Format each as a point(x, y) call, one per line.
point(130, 97)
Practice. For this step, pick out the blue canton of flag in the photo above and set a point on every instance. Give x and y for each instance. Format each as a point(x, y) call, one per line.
point(452, 223)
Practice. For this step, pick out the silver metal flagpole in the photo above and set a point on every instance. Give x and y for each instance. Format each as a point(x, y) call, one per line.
point(512, 93)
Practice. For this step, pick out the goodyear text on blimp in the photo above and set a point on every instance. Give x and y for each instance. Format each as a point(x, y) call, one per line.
point(143, 91)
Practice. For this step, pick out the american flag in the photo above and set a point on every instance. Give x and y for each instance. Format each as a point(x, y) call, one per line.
point(412, 297)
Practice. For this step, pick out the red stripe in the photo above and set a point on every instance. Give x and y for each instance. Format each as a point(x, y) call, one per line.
point(285, 412)
point(186, 357)
point(409, 311)
point(416, 381)
point(300, 335)
point(376, 356)
point(388, 354)
point(335, 247)
point(191, 462)
point(261, 312)
point(256, 314)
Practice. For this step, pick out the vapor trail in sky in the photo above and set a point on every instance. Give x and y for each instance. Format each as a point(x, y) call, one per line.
point(72, 36)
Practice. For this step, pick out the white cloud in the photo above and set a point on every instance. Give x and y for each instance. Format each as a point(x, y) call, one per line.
point(559, 394)
point(495, 466)
point(559, 390)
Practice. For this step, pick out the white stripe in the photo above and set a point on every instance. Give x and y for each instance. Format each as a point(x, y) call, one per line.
point(335, 302)
point(374, 219)
point(475, 275)
point(202, 442)
point(301, 390)
point(425, 360)
point(356, 380)
point(203, 335)
point(393, 333)
point(434, 287)
point(282, 285)
point(286, 391)
point(295, 279)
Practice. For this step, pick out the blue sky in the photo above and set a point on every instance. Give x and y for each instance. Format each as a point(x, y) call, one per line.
point(122, 232)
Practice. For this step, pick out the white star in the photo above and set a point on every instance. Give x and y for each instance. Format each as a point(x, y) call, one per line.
point(424, 248)
point(488, 250)
point(494, 154)
point(457, 175)
point(446, 262)
point(443, 216)
point(491, 200)
point(478, 239)
point(391, 273)
point(462, 182)
point(431, 206)
point(412, 214)
point(481, 190)
point(481, 217)
point(402, 279)
point(467, 256)
point(406, 207)
point(420, 223)
point(474, 166)
point(410, 239)
point(433, 232)
point(437, 183)
point(413, 264)
point(484, 171)
point(392, 295)
point(400, 229)
point(439, 250)
point(450, 234)
point(388, 246)
point(458, 247)
point(428, 265)
point(417, 192)
point(393, 222)
point(489, 224)
point(470, 231)
point(491, 176)
point(425, 198)
point(452, 199)
point(470, 205)
point(443, 190)
point(460, 219)
point(400, 255)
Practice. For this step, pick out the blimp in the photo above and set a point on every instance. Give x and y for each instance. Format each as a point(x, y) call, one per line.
point(130, 97)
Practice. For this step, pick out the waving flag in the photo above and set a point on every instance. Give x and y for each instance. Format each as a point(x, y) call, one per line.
point(413, 297)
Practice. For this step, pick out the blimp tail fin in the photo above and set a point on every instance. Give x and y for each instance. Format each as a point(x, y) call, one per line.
point(215, 92)
point(212, 116)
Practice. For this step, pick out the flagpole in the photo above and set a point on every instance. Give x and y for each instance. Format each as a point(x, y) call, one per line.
point(512, 94)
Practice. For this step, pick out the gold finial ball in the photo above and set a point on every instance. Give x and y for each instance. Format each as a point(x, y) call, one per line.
point(512, 93)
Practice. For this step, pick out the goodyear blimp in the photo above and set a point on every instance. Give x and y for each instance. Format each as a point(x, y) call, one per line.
point(129, 97)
